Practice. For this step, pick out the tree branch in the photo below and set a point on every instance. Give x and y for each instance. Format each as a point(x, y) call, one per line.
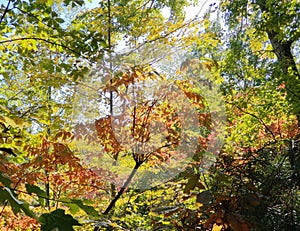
point(5, 11)
point(256, 117)
point(43, 40)
point(122, 190)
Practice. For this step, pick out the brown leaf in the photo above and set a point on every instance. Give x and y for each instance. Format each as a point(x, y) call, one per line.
point(237, 224)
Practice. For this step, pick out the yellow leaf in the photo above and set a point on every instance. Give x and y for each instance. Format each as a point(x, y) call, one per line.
point(19, 121)
point(138, 73)
point(10, 121)
point(217, 227)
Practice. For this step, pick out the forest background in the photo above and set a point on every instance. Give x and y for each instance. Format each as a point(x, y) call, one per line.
point(138, 115)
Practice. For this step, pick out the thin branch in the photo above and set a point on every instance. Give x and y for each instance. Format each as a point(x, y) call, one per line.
point(44, 197)
point(122, 190)
point(162, 36)
point(35, 17)
point(265, 51)
point(5, 11)
point(43, 40)
point(256, 117)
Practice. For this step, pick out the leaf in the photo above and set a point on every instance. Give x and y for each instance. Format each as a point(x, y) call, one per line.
point(74, 205)
point(204, 198)
point(73, 208)
point(57, 220)
point(217, 227)
point(39, 192)
point(253, 200)
point(236, 224)
point(60, 20)
point(192, 183)
point(19, 122)
point(10, 122)
point(6, 181)
point(25, 207)
point(86, 208)
point(17, 206)
point(138, 73)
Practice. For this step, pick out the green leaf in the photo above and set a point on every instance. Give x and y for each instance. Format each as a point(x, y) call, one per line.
point(60, 20)
point(3, 195)
point(17, 206)
point(75, 204)
point(4, 180)
point(73, 208)
point(192, 183)
point(39, 192)
point(57, 220)
point(25, 207)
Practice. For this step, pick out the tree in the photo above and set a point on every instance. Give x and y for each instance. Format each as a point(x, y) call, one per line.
point(78, 148)
point(268, 18)
point(45, 56)
point(258, 159)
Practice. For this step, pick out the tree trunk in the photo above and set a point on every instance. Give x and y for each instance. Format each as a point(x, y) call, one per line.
point(283, 51)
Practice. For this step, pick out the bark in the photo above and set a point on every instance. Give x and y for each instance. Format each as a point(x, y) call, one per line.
point(291, 78)
point(283, 51)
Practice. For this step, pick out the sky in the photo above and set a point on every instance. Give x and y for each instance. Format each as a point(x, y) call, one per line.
point(191, 11)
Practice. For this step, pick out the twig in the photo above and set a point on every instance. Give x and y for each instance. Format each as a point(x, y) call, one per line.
point(43, 40)
point(256, 117)
point(5, 11)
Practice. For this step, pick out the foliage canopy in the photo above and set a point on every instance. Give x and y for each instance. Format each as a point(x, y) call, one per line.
point(69, 158)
